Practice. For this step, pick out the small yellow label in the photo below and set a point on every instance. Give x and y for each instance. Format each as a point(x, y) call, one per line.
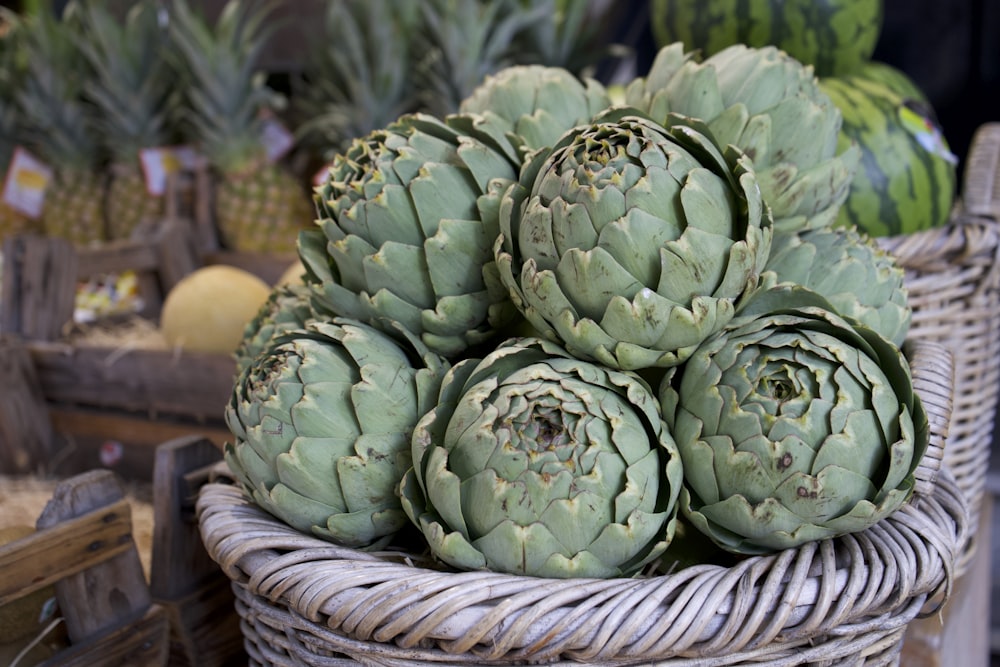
point(30, 180)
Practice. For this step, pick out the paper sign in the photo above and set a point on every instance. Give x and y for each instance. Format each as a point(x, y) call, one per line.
point(159, 163)
point(277, 139)
point(24, 187)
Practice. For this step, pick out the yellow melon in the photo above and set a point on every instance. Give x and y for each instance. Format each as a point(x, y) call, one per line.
point(208, 309)
point(292, 275)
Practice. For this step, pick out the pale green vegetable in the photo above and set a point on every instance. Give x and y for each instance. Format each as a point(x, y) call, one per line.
point(537, 463)
point(630, 242)
point(858, 277)
point(534, 105)
point(409, 218)
point(322, 420)
point(770, 106)
point(287, 308)
point(793, 426)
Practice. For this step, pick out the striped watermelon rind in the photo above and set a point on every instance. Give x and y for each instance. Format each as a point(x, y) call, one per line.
point(894, 78)
point(836, 37)
point(900, 186)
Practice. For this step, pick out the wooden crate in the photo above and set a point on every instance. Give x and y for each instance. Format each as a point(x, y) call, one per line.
point(198, 597)
point(107, 405)
point(83, 548)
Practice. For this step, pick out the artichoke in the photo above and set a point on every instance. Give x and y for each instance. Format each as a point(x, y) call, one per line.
point(322, 420)
point(287, 308)
point(859, 278)
point(534, 105)
point(770, 106)
point(630, 242)
point(793, 425)
point(537, 463)
point(409, 216)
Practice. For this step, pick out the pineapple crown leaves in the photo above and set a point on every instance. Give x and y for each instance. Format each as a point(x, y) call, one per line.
point(358, 77)
point(464, 41)
point(567, 35)
point(134, 83)
point(58, 121)
point(226, 92)
point(11, 73)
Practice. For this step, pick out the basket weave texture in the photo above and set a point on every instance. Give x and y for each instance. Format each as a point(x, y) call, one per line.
point(953, 280)
point(834, 603)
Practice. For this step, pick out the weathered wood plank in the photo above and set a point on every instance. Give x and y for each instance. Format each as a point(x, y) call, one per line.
point(108, 594)
point(26, 442)
point(66, 548)
point(142, 643)
point(39, 286)
point(205, 629)
point(192, 384)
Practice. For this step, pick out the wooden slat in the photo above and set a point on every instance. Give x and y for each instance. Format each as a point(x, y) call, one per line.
point(195, 385)
point(184, 578)
point(268, 268)
point(108, 594)
point(45, 557)
point(130, 429)
point(26, 443)
point(142, 643)
point(39, 286)
point(117, 256)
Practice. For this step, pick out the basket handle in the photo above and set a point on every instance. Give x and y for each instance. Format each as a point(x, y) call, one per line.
point(981, 188)
point(933, 369)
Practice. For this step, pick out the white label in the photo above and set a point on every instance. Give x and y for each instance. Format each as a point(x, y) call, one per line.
point(27, 179)
point(159, 164)
point(277, 139)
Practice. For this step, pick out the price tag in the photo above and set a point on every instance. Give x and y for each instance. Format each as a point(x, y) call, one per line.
point(278, 140)
point(159, 163)
point(26, 182)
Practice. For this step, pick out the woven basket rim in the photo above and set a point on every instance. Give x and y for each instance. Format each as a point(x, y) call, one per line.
point(759, 604)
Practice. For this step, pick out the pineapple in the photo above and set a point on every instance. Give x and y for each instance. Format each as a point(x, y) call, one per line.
point(59, 127)
point(259, 205)
point(133, 87)
point(12, 221)
point(357, 78)
point(464, 41)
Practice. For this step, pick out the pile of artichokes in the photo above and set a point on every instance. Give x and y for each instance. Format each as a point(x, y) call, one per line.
point(551, 334)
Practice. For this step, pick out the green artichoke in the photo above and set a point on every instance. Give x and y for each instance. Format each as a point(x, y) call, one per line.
point(770, 106)
point(409, 215)
point(287, 307)
point(322, 420)
point(537, 463)
point(793, 425)
point(630, 242)
point(534, 105)
point(859, 278)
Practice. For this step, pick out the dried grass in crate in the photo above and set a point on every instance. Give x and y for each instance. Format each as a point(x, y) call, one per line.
point(305, 602)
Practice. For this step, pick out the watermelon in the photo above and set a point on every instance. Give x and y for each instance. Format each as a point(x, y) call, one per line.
point(834, 36)
point(896, 80)
point(907, 178)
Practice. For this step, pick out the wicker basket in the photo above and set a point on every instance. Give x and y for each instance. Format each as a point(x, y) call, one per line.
point(840, 602)
point(953, 278)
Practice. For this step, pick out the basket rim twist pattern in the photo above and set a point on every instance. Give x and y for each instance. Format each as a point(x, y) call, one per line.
point(391, 608)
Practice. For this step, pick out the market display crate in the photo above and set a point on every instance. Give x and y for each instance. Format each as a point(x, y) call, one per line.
point(843, 601)
point(83, 555)
point(109, 402)
point(953, 279)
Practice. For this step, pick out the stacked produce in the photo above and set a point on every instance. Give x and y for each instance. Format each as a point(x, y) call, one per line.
point(553, 336)
point(907, 177)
